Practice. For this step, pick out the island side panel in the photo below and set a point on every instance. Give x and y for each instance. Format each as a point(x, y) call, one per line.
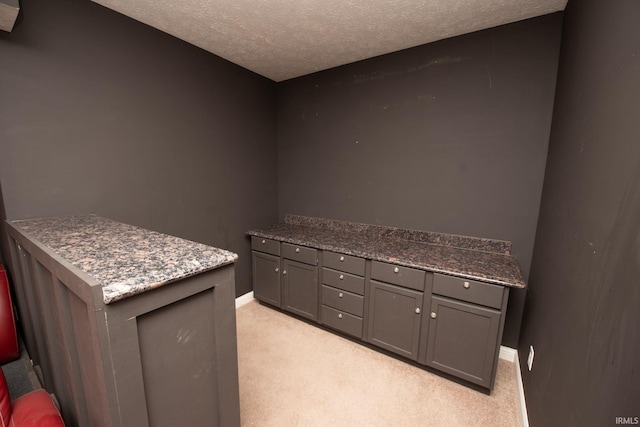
point(57, 336)
point(72, 403)
point(226, 351)
point(175, 353)
point(19, 281)
point(58, 305)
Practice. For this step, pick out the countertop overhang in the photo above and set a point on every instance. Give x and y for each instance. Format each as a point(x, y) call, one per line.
point(125, 260)
point(477, 259)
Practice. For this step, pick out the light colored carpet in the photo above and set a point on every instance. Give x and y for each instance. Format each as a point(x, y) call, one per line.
point(295, 374)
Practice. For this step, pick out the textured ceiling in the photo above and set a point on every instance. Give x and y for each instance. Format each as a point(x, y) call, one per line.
point(282, 39)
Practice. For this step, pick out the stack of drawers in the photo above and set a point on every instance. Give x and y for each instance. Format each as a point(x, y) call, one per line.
point(343, 293)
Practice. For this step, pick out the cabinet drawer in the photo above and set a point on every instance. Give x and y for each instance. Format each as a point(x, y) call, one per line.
point(345, 281)
point(265, 245)
point(343, 300)
point(300, 253)
point(342, 321)
point(398, 275)
point(468, 290)
point(342, 262)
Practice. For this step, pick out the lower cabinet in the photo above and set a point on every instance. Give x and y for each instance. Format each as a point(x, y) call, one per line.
point(382, 304)
point(395, 315)
point(286, 276)
point(265, 259)
point(462, 340)
point(266, 278)
point(300, 288)
point(465, 328)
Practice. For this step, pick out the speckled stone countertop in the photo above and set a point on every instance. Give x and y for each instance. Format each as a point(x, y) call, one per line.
point(124, 259)
point(481, 259)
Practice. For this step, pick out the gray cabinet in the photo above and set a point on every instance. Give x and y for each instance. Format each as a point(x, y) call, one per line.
point(266, 278)
point(343, 293)
point(451, 324)
point(300, 288)
point(286, 276)
point(395, 310)
point(164, 357)
point(265, 259)
point(300, 280)
point(465, 328)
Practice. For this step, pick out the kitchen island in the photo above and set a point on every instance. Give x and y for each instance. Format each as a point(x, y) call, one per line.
point(128, 327)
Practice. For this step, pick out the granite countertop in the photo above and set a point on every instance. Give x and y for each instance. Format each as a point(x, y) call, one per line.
point(487, 260)
point(124, 259)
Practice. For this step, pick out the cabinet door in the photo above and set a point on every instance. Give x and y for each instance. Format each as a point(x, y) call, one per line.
point(463, 340)
point(300, 288)
point(266, 278)
point(394, 318)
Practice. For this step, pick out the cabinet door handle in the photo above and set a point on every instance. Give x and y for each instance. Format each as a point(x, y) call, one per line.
point(284, 271)
point(466, 285)
point(433, 315)
point(417, 310)
point(297, 250)
point(396, 270)
point(341, 277)
point(341, 259)
point(340, 295)
point(263, 241)
point(339, 315)
point(277, 269)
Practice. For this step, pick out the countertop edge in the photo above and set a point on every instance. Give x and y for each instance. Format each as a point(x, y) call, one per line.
point(92, 281)
point(110, 292)
point(518, 284)
point(109, 300)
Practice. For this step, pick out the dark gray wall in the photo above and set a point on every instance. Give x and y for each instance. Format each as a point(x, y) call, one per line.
point(450, 137)
point(583, 307)
point(101, 114)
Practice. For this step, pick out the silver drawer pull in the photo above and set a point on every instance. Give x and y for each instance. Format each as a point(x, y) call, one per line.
point(396, 270)
point(340, 295)
point(417, 310)
point(263, 241)
point(339, 315)
point(277, 269)
point(341, 259)
point(341, 277)
point(297, 250)
point(433, 315)
point(466, 285)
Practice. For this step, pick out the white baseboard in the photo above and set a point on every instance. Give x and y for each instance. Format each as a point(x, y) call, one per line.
point(523, 403)
point(511, 355)
point(243, 299)
point(508, 353)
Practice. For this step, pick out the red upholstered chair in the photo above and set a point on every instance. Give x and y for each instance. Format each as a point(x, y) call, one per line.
point(35, 409)
point(8, 338)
